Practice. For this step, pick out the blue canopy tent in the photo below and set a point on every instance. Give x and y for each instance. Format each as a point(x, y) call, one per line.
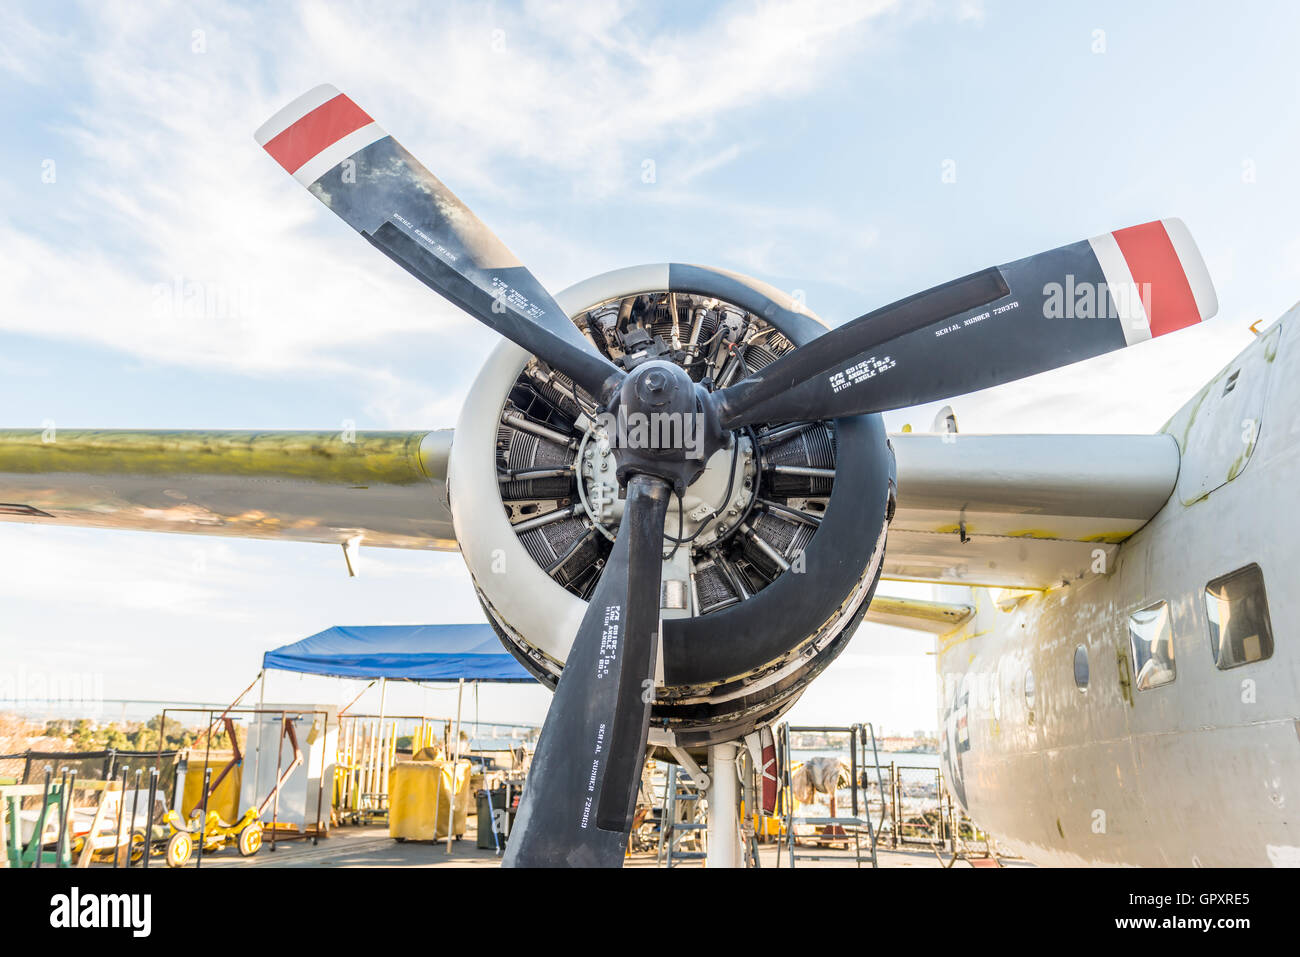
point(457, 653)
point(410, 652)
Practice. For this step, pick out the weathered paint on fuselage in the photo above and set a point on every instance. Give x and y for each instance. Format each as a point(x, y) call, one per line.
point(1202, 771)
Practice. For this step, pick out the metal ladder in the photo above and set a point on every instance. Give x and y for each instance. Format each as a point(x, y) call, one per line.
point(853, 823)
point(671, 830)
point(863, 730)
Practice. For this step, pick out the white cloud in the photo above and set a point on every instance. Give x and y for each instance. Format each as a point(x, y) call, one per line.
point(710, 163)
point(165, 190)
point(897, 692)
point(25, 49)
point(175, 616)
point(578, 87)
point(170, 575)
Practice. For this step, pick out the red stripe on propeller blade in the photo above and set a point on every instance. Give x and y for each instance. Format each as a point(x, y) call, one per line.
point(318, 130)
point(1152, 260)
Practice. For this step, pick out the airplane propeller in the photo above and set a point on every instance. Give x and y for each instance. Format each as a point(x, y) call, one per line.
point(989, 328)
point(582, 785)
point(411, 217)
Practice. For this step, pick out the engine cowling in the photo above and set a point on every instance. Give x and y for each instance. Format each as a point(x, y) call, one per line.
point(782, 535)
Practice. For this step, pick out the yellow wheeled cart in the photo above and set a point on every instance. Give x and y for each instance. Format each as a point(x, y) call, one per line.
point(216, 833)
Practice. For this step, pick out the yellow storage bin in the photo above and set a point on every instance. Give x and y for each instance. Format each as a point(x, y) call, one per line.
point(765, 825)
point(422, 796)
point(225, 799)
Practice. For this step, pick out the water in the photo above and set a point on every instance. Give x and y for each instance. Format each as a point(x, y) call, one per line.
point(918, 782)
point(903, 759)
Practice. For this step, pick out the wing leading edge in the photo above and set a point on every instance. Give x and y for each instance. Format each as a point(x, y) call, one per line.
point(1022, 511)
point(388, 488)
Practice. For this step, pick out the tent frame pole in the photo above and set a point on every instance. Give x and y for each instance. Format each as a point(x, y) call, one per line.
point(455, 765)
point(378, 786)
point(257, 749)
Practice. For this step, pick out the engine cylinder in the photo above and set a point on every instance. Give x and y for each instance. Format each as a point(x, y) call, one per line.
point(779, 565)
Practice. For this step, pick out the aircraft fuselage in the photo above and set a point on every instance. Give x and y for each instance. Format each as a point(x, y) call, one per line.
point(1164, 756)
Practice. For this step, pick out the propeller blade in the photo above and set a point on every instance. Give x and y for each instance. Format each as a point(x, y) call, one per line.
point(577, 805)
point(351, 164)
point(991, 327)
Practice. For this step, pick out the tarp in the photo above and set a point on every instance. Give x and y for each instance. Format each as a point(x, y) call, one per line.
point(414, 652)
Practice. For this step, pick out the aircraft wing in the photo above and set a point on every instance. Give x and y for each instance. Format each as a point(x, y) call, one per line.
point(389, 488)
point(1022, 511)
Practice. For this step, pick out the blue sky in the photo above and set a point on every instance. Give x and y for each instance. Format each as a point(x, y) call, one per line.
point(801, 143)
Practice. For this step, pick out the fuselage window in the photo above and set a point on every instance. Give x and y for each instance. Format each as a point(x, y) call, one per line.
point(1029, 689)
point(1152, 640)
point(1081, 668)
point(1240, 631)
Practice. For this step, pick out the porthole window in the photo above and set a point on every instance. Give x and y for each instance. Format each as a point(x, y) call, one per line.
point(1081, 668)
point(1152, 641)
point(1240, 631)
point(1029, 689)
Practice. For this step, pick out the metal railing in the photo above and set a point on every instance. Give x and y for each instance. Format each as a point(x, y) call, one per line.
point(835, 827)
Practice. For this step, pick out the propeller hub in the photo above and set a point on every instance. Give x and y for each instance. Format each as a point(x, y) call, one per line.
point(663, 424)
point(657, 384)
